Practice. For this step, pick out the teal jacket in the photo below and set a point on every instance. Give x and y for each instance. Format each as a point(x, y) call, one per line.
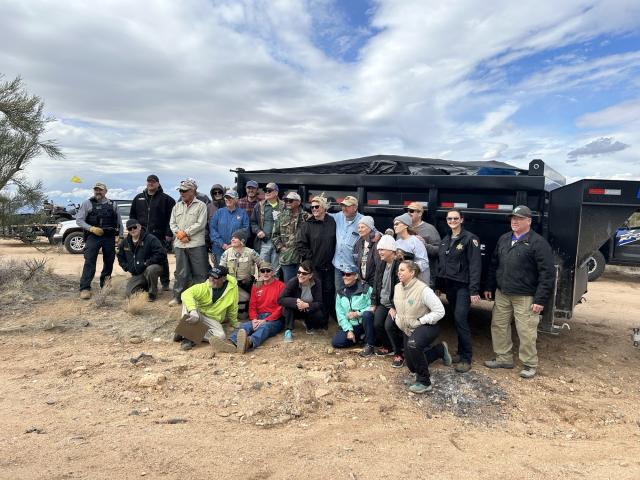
point(360, 301)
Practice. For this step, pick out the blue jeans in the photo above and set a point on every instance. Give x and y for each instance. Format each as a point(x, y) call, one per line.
point(460, 303)
point(269, 254)
point(337, 280)
point(289, 272)
point(258, 336)
point(364, 331)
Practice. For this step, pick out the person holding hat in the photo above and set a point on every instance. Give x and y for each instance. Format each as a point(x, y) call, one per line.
point(522, 274)
point(152, 208)
point(265, 315)
point(263, 220)
point(428, 233)
point(224, 222)
point(188, 223)
point(101, 222)
point(285, 232)
point(407, 241)
point(365, 252)
point(142, 255)
point(212, 302)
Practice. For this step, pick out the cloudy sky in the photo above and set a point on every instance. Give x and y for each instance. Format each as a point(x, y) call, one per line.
point(196, 87)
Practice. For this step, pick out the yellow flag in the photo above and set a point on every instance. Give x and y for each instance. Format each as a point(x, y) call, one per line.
point(75, 179)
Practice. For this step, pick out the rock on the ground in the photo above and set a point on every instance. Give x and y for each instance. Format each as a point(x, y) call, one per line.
point(152, 379)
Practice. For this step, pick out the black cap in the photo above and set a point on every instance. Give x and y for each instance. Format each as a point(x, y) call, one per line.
point(153, 178)
point(218, 272)
point(132, 222)
point(521, 211)
point(240, 235)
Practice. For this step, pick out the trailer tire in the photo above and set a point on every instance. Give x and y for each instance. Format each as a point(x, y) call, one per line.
point(595, 265)
point(74, 243)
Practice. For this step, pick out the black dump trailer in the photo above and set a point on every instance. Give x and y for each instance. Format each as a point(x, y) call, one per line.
point(576, 219)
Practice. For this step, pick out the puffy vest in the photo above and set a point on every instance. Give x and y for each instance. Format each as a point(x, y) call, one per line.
point(103, 215)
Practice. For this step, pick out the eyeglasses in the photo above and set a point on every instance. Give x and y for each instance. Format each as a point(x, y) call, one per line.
point(315, 207)
point(453, 219)
point(217, 192)
point(268, 190)
point(302, 272)
point(411, 210)
point(265, 270)
point(348, 274)
point(135, 227)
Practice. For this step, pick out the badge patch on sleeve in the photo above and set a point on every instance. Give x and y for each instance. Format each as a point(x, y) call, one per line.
point(475, 243)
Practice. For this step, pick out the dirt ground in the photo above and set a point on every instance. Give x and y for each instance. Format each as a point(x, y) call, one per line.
point(90, 390)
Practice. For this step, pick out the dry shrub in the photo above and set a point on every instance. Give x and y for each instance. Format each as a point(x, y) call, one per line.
point(137, 303)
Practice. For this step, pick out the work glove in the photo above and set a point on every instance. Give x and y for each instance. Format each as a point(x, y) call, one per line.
point(193, 317)
point(97, 231)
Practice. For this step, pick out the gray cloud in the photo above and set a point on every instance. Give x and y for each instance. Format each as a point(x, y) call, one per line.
point(597, 147)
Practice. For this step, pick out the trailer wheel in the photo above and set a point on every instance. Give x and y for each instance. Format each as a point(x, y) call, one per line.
point(74, 243)
point(595, 265)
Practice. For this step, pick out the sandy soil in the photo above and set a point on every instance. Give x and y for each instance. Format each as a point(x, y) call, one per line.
point(78, 400)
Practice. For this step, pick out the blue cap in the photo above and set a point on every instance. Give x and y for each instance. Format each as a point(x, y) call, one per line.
point(252, 183)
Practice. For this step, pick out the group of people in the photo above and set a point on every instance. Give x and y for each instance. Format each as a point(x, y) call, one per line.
point(269, 262)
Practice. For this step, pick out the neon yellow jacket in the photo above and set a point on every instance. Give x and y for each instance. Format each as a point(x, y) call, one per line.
point(199, 297)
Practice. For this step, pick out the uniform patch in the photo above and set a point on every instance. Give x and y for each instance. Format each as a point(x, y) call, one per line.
point(475, 242)
point(410, 301)
point(459, 246)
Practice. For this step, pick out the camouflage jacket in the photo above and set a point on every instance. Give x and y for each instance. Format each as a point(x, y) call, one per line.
point(284, 235)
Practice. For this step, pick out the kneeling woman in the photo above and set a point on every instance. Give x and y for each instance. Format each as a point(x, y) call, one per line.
point(418, 311)
point(353, 311)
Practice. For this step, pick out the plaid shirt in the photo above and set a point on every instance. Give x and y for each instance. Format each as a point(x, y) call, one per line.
point(247, 205)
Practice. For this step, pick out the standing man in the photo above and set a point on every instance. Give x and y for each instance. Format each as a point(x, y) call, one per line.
point(188, 223)
point(248, 203)
point(428, 233)
point(285, 232)
point(99, 218)
point(346, 237)
point(142, 255)
point(263, 219)
point(522, 275)
point(224, 222)
point(152, 209)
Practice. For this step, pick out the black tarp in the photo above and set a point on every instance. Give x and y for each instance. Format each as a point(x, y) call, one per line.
point(398, 165)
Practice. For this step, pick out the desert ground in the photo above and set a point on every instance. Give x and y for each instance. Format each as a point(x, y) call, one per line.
point(97, 389)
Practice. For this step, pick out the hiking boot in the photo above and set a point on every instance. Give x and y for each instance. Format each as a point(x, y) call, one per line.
point(496, 364)
point(220, 345)
point(85, 294)
point(527, 372)
point(463, 367)
point(446, 356)
point(383, 352)
point(367, 351)
point(288, 336)
point(420, 388)
point(174, 302)
point(456, 358)
point(177, 338)
point(165, 287)
point(151, 297)
point(398, 361)
point(242, 342)
point(187, 345)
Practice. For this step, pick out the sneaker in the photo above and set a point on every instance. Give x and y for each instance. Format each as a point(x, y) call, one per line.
point(383, 352)
point(288, 336)
point(220, 345)
point(456, 358)
point(463, 367)
point(151, 297)
point(527, 372)
point(398, 361)
point(85, 294)
point(308, 331)
point(496, 364)
point(367, 351)
point(187, 345)
point(174, 302)
point(446, 356)
point(420, 388)
point(165, 287)
point(242, 342)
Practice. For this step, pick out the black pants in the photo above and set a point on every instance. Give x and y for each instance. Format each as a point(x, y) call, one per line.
point(328, 290)
point(419, 353)
point(394, 334)
point(460, 303)
point(165, 276)
point(379, 317)
point(315, 319)
point(92, 247)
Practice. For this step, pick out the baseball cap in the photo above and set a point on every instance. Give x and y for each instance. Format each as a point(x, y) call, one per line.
point(218, 272)
point(293, 196)
point(404, 218)
point(272, 186)
point(187, 184)
point(521, 211)
point(252, 183)
point(153, 178)
point(349, 269)
point(231, 194)
point(349, 201)
point(132, 222)
point(100, 185)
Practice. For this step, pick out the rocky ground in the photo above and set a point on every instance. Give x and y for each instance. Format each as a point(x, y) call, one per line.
point(97, 389)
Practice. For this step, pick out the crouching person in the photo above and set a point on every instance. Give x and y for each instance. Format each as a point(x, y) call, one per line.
point(353, 311)
point(418, 311)
point(209, 304)
point(142, 255)
point(264, 312)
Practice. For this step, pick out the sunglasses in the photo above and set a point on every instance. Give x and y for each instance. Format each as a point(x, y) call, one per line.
point(302, 272)
point(217, 192)
point(265, 270)
point(411, 210)
point(348, 274)
point(315, 207)
point(135, 227)
point(183, 191)
point(289, 200)
point(453, 219)
point(268, 190)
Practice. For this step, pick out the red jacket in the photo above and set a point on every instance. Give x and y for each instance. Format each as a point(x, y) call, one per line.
point(265, 299)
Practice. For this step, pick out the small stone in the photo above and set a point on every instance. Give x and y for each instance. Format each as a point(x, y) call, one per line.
point(157, 340)
point(224, 414)
point(257, 386)
point(350, 363)
point(51, 402)
point(135, 339)
point(330, 351)
point(151, 380)
point(134, 413)
point(301, 366)
point(322, 392)
point(616, 391)
point(80, 368)
point(382, 378)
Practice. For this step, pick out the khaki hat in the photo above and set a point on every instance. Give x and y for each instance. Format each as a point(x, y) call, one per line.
point(100, 185)
point(349, 201)
point(293, 196)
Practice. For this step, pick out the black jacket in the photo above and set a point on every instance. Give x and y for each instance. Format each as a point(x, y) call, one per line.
point(377, 283)
point(526, 268)
point(373, 259)
point(317, 241)
point(292, 292)
point(135, 258)
point(461, 262)
point(153, 212)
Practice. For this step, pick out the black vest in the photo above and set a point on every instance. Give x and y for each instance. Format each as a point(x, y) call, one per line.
point(103, 215)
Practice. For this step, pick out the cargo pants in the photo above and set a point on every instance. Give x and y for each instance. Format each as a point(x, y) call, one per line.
point(518, 307)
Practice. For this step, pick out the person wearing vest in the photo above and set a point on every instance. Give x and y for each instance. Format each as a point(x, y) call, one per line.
point(152, 208)
point(459, 270)
point(417, 312)
point(263, 219)
point(101, 222)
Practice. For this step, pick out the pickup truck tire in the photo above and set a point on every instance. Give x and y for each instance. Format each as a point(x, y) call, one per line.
point(74, 243)
point(596, 264)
